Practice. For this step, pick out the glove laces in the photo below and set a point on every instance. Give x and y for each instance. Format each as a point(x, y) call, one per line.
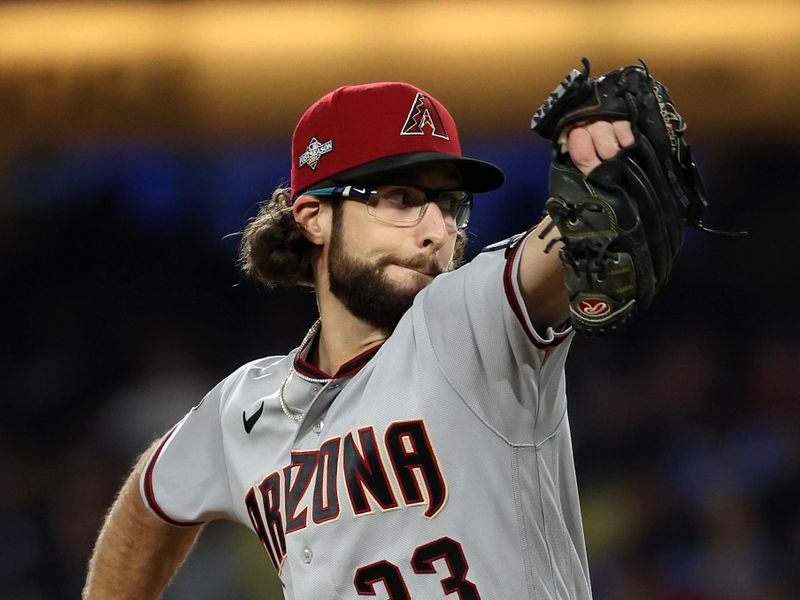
point(593, 252)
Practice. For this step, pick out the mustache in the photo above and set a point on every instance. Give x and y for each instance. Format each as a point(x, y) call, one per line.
point(425, 264)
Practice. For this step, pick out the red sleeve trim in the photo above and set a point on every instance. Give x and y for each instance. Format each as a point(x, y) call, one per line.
point(518, 308)
point(148, 487)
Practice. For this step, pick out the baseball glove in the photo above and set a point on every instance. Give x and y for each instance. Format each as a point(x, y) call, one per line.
point(622, 225)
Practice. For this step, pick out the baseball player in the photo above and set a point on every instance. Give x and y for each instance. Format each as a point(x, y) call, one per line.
point(416, 442)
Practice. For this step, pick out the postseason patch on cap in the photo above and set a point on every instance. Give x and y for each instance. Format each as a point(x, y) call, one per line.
point(314, 151)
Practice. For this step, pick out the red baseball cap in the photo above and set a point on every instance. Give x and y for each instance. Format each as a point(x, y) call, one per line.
point(368, 129)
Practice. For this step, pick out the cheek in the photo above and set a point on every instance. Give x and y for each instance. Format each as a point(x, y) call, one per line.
point(362, 235)
point(449, 249)
point(376, 241)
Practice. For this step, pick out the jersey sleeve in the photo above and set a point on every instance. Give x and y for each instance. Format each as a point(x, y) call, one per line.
point(185, 480)
point(488, 348)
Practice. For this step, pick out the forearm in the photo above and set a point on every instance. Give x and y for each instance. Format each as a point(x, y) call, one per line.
point(136, 554)
point(541, 280)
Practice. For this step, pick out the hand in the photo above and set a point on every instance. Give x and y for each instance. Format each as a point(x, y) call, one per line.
point(594, 142)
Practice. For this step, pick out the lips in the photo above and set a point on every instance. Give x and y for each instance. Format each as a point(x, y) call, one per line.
point(421, 271)
point(426, 267)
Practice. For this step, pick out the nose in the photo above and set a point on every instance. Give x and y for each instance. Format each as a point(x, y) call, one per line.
point(432, 229)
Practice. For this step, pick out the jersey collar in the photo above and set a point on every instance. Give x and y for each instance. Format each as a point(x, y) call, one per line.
point(348, 369)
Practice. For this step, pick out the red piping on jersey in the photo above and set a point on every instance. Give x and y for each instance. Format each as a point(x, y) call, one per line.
point(348, 369)
point(519, 310)
point(148, 486)
point(306, 369)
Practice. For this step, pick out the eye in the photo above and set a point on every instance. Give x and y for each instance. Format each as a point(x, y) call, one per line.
point(449, 202)
point(401, 197)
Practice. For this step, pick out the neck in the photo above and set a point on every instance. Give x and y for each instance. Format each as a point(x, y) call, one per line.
point(342, 335)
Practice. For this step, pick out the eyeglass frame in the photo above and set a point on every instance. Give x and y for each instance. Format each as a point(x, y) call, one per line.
point(364, 193)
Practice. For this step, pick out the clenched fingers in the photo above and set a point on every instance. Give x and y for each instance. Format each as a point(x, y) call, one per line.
point(595, 142)
point(581, 149)
point(623, 131)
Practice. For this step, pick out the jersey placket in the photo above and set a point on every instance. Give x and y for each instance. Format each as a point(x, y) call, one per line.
point(303, 554)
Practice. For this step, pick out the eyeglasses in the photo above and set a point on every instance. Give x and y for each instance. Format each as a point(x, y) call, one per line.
point(405, 205)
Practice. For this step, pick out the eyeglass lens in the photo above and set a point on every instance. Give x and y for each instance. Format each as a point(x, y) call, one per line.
point(407, 205)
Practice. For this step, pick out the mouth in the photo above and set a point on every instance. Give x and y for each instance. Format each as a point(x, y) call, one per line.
point(421, 270)
point(422, 265)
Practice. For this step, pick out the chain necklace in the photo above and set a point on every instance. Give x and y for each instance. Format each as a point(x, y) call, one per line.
point(294, 416)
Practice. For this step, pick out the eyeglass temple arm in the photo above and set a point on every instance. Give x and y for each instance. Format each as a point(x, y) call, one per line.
point(346, 191)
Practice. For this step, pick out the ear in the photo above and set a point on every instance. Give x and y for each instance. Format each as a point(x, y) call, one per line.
point(313, 217)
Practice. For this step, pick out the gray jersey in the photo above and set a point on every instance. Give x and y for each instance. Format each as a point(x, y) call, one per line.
point(437, 464)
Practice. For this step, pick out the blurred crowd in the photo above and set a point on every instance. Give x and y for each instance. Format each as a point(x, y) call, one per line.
point(122, 305)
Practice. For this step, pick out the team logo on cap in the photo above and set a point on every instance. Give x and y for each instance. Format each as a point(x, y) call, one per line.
point(314, 151)
point(423, 114)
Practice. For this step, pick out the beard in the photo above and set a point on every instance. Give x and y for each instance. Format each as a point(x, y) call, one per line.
point(364, 287)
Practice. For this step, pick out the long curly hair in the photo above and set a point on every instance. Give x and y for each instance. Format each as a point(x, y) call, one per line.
point(274, 251)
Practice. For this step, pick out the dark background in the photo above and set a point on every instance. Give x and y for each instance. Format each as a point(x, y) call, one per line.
point(121, 194)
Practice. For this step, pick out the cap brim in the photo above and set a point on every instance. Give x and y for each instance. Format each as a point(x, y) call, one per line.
point(476, 175)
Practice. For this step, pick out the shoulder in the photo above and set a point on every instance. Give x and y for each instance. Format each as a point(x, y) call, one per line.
point(488, 264)
point(259, 367)
point(255, 374)
point(506, 245)
point(474, 286)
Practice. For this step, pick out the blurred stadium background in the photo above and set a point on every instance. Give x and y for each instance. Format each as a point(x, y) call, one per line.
point(136, 136)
